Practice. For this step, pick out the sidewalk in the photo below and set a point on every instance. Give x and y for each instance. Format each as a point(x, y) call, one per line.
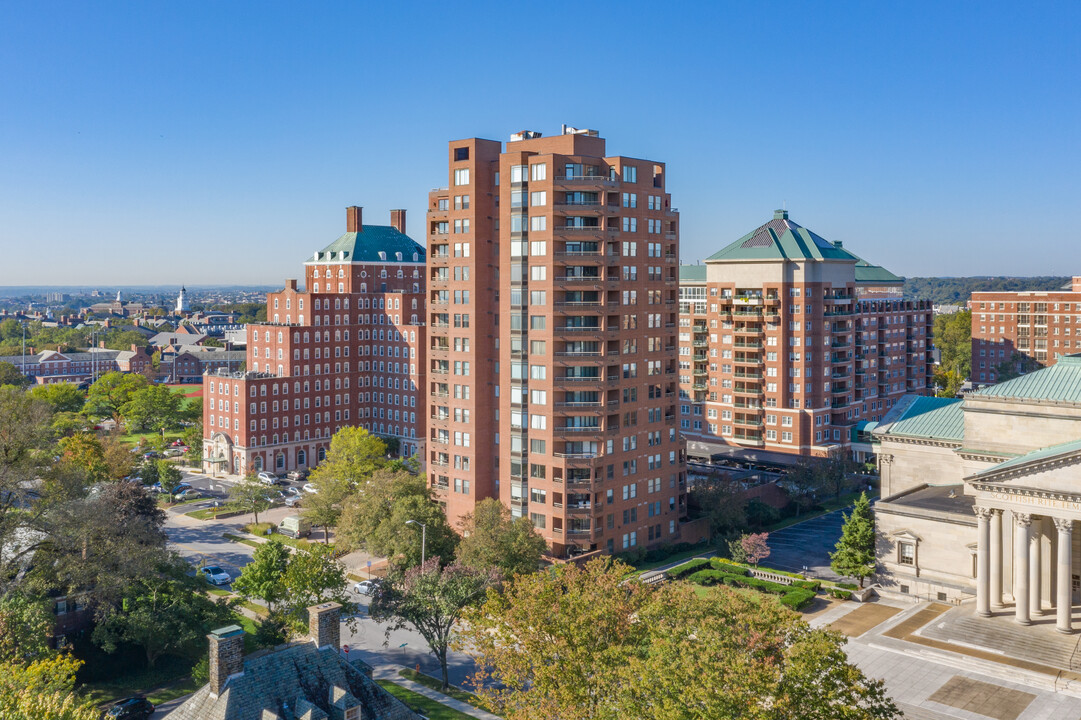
point(390, 672)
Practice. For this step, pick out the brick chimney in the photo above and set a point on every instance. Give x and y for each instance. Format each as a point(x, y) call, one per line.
point(353, 221)
point(324, 624)
point(397, 219)
point(226, 656)
point(1075, 285)
point(291, 284)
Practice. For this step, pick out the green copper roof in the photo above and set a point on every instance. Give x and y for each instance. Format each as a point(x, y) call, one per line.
point(925, 417)
point(1059, 383)
point(365, 247)
point(692, 273)
point(782, 239)
point(868, 273)
point(1034, 457)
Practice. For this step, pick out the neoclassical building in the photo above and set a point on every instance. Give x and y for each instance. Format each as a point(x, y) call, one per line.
point(981, 496)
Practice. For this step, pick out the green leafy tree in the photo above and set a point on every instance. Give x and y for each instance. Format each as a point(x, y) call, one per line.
point(65, 424)
point(193, 438)
point(492, 538)
point(353, 456)
point(10, 330)
point(43, 689)
point(10, 375)
point(249, 496)
point(168, 476)
point(25, 625)
point(262, 577)
point(854, 555)
point(717, 498)
point(84, 451)
point(154, 408)
point(112, 391)
point(315, 576)
point(577, 641)
point(373, 519)
point(431, 600)
point(953, 338)
point(324, 508)
point(162, 614)
point(62, 397)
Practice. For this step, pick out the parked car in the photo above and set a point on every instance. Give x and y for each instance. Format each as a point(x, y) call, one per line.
point(297, 475)
point(293, 500)
point(309, 488)
point(151, 455)
point(268, 478)
point(215, 575)
point(132, 708)
point(293, 491)
point(366, 587)
point(189, 494)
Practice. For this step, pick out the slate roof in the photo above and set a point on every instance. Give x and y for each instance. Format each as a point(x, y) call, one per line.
point(299, 681)
point(782, 239)
point(692, 273)
point(1059, 383)
point(365, 247)
point(930, 418)
point(172, 338)
point(1033, 458)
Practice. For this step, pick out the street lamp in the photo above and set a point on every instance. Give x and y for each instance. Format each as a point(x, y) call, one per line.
point(423, 537)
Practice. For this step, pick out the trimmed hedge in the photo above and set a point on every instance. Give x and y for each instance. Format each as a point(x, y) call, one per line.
point(815, 585)
point(840, 594)
point(798, 598)
point(688, 567)
point(848, 586)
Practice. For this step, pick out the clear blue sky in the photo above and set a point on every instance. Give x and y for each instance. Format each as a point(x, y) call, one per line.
point(199, 142)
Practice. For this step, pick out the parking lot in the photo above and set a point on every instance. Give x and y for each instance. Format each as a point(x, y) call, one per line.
point(807, 545)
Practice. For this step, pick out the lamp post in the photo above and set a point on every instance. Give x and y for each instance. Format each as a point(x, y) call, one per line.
point(423, 537)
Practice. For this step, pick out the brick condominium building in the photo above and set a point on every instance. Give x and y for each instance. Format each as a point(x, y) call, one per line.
point(1019, 331)
point(347, 350)
point(789, 343)
point(552, 340)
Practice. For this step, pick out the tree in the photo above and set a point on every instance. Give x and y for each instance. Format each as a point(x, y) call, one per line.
point(11, 375)
point(112, 391)
point(492, 538)
point(168, 476)
point(373, 519)
point(161, 613)
point(324, 508)
point(576, 642)
point(83, 450)
point(119, 459)
point(250, 496)
point(154, 408)
point(716, 498)
point(262, 577)
point(431, 600)
point(193, 438)
point(855, 550)
point(43, 689)
point(314, 576)
point(62, 397)
point(755, 547)
point(25, 625)
point(353, 456)
point(953, 338)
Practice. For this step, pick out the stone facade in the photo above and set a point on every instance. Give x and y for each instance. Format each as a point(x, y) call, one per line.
point(226, 656)
point(324, 624)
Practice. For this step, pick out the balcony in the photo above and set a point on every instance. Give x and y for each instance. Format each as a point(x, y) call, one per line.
point(579, 509)
point(581, 180)
point(700, 372)
point(700, 343)
point(755, 440)
point(583, 456)
point(579, 353)
point(747, 422)
point(577, 430)
point(749, 331)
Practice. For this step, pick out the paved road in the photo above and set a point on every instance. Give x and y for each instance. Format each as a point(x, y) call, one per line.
point(807, 544)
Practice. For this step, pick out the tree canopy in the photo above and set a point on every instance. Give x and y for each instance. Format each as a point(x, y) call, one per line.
point(492, 538)
point(577, 642)
point(854, 555)
point(113, 390)
point(62, 397)
point(152, 408)
point(953, 338)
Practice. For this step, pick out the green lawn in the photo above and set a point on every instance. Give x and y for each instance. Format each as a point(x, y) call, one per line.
point(210, 514)
point(237, 538)
point(435, 684)
point(421, 704)
point(133, 438)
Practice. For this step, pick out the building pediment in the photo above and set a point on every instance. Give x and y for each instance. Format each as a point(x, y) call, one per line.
point(1055, 469)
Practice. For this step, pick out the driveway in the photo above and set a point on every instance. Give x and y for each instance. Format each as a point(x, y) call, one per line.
point(807, 545)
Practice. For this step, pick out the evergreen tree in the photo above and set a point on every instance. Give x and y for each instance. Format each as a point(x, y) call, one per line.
point(855, 553)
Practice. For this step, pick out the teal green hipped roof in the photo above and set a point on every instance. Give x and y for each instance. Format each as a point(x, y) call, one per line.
point(782, 239)
point(1059, 383)
point(365, 247)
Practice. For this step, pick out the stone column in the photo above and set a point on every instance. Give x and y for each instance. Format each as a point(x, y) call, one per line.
point(983, 561)
point(1022, 524)
point(1064, 604)
point(1035, 567)
point(996, 558)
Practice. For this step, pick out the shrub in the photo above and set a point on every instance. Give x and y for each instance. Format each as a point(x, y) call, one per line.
point(200, 672)
point(259, 529)
point(708, 577)
point(847, 585)
point(815, 585)
point(687, 568)
point(840, 594)
point(727, 566)
point(798, 598)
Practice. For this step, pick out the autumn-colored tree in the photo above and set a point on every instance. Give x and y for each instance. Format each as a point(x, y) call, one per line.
point(43, 689)
point(83, 450)
point(577, 642)
point(755, 547)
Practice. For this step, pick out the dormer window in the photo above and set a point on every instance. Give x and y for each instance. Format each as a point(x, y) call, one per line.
point(382, 255)
point(398, 256)
point(416, 257)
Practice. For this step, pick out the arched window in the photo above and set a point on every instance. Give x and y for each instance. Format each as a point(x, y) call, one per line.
point(302, 456)
point(322, 454)
point(363, 288)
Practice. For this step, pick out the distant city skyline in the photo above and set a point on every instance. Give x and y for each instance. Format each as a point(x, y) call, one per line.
point(211, 145)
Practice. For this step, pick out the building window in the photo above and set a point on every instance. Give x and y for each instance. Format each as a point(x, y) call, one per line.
point(461, 176)
point(906, 553)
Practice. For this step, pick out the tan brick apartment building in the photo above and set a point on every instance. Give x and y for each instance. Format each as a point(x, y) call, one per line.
point(349, 349)
point(552, 378)
point(789, 343)
point(1010, 327)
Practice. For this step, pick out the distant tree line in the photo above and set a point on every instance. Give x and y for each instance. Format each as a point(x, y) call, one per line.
point(957, 290)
